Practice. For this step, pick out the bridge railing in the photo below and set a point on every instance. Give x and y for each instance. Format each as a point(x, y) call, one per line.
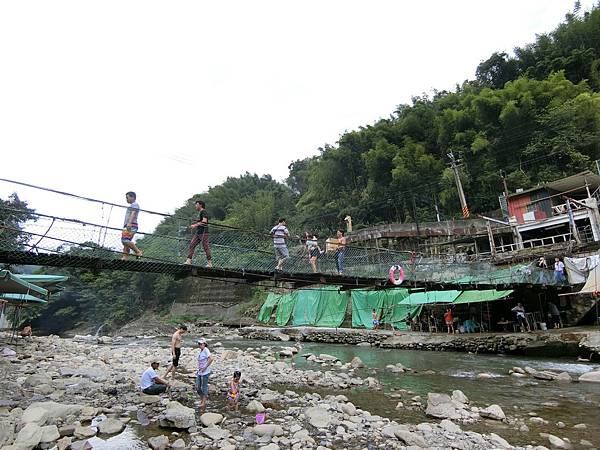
point(246, 250)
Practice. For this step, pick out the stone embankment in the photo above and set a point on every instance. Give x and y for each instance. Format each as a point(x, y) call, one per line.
point(553, 343)
point(62, 393)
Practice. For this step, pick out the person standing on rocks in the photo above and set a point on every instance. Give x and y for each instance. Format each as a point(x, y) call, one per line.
point(280, 233)
point(233, 391)
point(204, 361)
point(130, 226)
point(151, 383)
point(176, 343)
point(200, 235)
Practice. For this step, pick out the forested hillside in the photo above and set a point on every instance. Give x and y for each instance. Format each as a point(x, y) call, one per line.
point(533, 115)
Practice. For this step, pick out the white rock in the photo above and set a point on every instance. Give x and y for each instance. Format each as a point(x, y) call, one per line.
point(410, 438)
point(216, 433)
point(178, 444)
point(318, 417)
point(499, 441)
point(270, 446)
point(493, 412)
point(158, 442)
point(349, 408)
point(450, 426)
point(110, 426)
point(459, 396)
point(357, 363)
point(268, 429)
point(558, 442)
point(441, 406)
point(593, 376)
point(50, 433)
point(29, 436)
point(208, 419)
point(177, 416)
point(254, 406)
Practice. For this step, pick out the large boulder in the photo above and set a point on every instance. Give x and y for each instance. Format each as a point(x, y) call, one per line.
point(44, 412)
point(593, 376)
point(29, 436)
point(492, 412)
point(209, 419)
point(441, 406)
point(177, 416)
point(318, 417)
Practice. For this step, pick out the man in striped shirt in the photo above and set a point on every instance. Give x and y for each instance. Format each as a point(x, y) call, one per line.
point(280, 233)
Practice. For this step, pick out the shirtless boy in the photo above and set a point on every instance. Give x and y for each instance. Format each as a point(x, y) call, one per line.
point(176, 343)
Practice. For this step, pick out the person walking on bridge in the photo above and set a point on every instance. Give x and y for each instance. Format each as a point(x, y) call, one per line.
point(130, 226)
point(200, 235)
point(280, 233)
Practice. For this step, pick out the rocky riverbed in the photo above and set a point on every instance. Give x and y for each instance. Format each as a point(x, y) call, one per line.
point(82, 393)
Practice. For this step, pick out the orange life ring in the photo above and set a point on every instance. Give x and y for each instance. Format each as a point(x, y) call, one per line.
point(396, 268)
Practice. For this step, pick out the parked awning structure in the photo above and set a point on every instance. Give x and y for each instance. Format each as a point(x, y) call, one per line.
point(13, 284)
point(48, 282)
point(21, 298)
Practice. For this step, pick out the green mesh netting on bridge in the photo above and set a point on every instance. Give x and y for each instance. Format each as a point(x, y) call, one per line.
point(246, 250)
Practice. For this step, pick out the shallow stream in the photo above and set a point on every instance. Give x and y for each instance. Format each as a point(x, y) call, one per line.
point(570, 403)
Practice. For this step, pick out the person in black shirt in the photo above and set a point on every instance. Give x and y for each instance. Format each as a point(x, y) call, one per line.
point(200, 234)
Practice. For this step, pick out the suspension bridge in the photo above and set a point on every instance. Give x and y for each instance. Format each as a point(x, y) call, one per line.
point(47, 239)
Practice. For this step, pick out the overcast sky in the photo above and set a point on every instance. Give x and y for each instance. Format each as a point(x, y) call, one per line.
point(169, 98)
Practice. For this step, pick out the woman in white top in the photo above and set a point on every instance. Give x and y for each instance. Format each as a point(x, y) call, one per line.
point(204, 361)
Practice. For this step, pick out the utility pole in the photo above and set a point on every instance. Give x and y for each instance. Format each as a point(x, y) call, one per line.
point(461, 194)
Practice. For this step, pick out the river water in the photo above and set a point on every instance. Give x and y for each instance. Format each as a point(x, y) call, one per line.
point(570, 403)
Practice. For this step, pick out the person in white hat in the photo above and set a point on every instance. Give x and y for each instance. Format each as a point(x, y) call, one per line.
point(151, 383)
point(204, 361)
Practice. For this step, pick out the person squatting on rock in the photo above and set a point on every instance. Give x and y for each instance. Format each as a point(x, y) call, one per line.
point(200, 235)
point(151, 383)
point(204, 361)
point(233, 391)
point(176, 343)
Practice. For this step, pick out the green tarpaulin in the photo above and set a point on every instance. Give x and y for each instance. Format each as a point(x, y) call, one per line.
point(268, 306)
point(320, 307)
point(387, 303)
point(430, 297)
point(481, 296)
point(285, 308)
